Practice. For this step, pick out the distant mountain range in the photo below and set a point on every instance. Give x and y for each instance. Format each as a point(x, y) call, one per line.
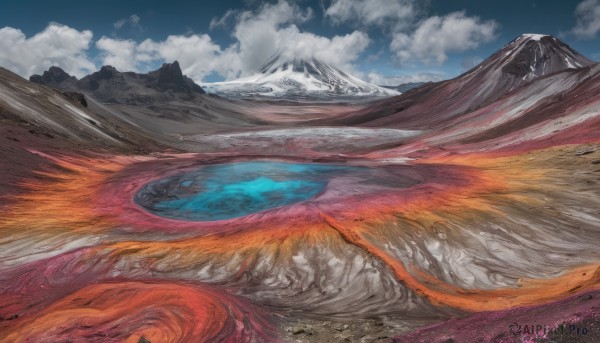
point(286, 77)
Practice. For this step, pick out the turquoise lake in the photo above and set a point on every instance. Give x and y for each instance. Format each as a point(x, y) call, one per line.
point(225, 191)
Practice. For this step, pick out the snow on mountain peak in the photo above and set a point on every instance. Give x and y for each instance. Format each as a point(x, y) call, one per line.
point(529, 56)
point(533, 36)
point(283, 76)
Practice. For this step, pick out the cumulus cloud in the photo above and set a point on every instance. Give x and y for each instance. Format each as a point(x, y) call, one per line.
point(258, 32)
point(436, 36)
point(384, 80)
point(414, 36)
point(273, 28)
point(587, 14)
point(195, 53)
point(397, 13)
point(56, 45)
point(120, 54)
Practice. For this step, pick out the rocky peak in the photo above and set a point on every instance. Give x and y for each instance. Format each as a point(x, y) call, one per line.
point(170, 74)
point(534, 55)
point(106, 72)
point(169, 77)
point(52, 76)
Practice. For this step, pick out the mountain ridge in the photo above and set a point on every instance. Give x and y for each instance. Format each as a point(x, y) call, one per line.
point(110, 85)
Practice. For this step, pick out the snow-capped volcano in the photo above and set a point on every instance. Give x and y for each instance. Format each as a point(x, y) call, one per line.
point(298, 77)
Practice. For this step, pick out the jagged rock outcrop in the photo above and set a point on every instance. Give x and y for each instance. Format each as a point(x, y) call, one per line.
point(54, 76)
point(113, 86)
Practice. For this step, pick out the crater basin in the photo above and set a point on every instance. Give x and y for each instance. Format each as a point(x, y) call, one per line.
point(226, 191)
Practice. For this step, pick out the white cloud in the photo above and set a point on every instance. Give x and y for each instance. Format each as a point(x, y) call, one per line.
point(273, 28)
point(414, 36)
point(57, 45)
point(133, 21)
point(397, 13)
point(120, 54)
point(588, 19)
point(340, 51)
point(258, 34)
point(196, 54)
point(436, 36)
point(383, 80)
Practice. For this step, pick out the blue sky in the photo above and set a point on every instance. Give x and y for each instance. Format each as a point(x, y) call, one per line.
point(378, 40)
